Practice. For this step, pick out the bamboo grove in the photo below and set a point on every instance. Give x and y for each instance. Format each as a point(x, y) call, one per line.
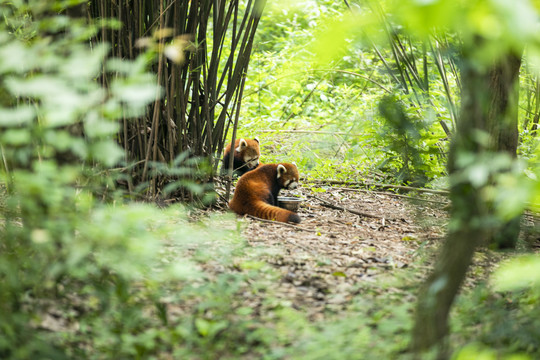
point(202, 92)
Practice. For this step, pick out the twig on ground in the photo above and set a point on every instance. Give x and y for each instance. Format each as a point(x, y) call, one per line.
point(393, 194)
point(352, 211)
point(377, 185)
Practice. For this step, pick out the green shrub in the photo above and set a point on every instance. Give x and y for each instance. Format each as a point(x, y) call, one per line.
point(81, 278)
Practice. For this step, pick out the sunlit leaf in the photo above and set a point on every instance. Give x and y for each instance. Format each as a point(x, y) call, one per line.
point(518, 273)
point(85, 63)
point(106, 152)
point(38, 86)
point(475, 352)
point(16, 137)
point(331, 43)
point(95, 126)
point(17, 116)
point(478, 174)
point(203, 326)
point(137, 93)
point(15, 57)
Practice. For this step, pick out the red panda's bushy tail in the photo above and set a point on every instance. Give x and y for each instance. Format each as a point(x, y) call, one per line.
point(270, 212)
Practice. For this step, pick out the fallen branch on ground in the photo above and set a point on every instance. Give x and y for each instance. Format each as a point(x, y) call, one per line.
point(352, 211)
point(393, 194)
point(377, 185)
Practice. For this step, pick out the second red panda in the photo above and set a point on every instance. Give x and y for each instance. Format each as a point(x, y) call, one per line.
point(246, 154)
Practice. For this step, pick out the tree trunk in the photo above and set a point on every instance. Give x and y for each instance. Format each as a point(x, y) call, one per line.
point(503, 105)
point(488, 106)
point(503, 129)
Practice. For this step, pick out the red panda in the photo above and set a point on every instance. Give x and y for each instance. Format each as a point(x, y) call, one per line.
point(246, 156)
point(256, 192)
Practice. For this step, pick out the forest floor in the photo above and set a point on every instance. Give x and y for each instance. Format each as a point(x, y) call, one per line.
point(356, 259)
point(347, 236)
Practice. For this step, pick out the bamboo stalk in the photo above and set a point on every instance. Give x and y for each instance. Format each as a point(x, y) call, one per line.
point(155, 116)
point(352, 211)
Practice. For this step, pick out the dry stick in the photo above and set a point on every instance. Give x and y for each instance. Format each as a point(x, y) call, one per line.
point(391, 194)
point(383, 186)
point(356, 212)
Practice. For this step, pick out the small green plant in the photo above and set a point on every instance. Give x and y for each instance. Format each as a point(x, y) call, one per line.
point(412, 154)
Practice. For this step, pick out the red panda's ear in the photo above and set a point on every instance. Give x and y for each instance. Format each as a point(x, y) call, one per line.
point(241, 145)
point(281, 170)
point(256, 139)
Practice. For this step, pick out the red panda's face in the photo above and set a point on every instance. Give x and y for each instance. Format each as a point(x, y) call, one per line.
point(288, 176)
point(249, 151)
point(252, 161)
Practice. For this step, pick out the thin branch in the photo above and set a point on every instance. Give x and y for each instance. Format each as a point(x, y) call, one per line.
point(319, 70)
point(306, 98)
point(352, 211)
point(382, 186)
point(393, 195)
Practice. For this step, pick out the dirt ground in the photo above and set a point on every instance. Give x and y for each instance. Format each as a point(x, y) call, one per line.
point(346, 236)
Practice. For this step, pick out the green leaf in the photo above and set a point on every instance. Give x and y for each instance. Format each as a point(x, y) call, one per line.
point(478, 174)
point(60, 140)
point(518, 273)
point(185, 270)
point(140, 92)
point(331, 43)
point(17, 116)
point(252, 265)
point(475, 352)
point(203, 326)
point(16, 137)
point(244, 310)
point(15, 57)
point(84, 63)
point(96, 126)
point(37, 86)
point(106, 152)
